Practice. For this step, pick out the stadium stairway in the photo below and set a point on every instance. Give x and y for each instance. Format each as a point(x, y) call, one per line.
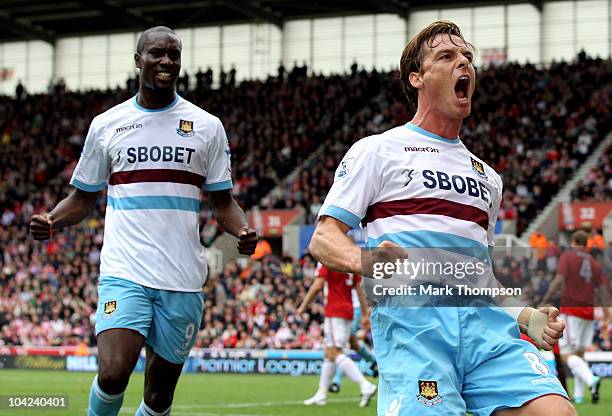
point(547, 220)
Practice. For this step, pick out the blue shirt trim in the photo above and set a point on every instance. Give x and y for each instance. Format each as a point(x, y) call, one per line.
point(343, 215)
point(154, 202)
point(86, 187)
point(431, 135)
point(156, 110)
point(434, 239)
point(219, 186)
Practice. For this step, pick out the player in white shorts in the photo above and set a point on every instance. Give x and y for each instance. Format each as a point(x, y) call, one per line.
point(584, 286)
point(358, 345)
point(337, 330)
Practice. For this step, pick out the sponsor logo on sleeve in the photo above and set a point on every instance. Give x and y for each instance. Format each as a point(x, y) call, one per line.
point(345, 167)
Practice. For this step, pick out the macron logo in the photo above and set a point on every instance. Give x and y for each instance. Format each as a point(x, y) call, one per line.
point(132, 126)
point(394, 407)
point(421, 149)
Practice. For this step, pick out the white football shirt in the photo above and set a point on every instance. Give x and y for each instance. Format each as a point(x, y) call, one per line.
point(418, 190)
point(155, 164)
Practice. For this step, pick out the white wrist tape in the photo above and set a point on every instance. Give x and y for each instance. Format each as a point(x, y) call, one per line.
point(513, 307)
point(535, 328)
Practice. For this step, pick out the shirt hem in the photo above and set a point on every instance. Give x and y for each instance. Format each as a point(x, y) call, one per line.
point(151, 286)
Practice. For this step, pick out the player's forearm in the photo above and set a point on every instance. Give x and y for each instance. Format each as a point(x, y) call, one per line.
point(310, 295)
point(335, 250)
point(228, 213)
point(554, 287)
point(73, 209)
point(363, 305)
point(604, 301)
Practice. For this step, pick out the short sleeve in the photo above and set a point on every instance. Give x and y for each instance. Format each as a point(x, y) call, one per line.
point(322, 271)
point(494, 213)
point(219, 168)
point(92, 172)
point(356, 184)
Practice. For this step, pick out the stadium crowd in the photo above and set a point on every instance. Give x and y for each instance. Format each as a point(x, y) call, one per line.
point(534, 126)
point(597, 184)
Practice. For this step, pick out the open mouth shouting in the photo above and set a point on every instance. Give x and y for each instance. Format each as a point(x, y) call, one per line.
point(462, 88)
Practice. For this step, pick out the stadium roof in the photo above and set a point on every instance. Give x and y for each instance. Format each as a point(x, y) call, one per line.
point(49, 19)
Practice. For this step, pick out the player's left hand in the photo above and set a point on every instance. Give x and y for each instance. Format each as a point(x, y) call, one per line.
point(247, 241)
point(552, 327)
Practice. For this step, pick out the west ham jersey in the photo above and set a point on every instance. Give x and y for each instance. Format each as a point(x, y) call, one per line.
point(154, 163)
point(418, 190)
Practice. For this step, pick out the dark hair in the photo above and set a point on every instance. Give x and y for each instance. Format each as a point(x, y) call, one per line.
point(143, 36)
point(413, 53)
point(580, 238)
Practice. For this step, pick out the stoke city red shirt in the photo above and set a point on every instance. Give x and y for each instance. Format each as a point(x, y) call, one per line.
point(338, 296)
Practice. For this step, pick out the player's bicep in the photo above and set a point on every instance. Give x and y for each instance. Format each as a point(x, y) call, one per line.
point(218, 162)
point(333, 225)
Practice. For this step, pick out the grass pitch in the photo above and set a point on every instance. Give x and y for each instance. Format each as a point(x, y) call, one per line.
point(217, 395)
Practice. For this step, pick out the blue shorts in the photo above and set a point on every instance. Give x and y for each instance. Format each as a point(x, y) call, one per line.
point(453, 360)
point(168, 320)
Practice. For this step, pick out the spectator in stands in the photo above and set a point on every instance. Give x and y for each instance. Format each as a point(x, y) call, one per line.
point(596, 243)
point(539, 243)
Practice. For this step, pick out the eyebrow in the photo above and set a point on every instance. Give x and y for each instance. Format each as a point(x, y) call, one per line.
point(465, 51)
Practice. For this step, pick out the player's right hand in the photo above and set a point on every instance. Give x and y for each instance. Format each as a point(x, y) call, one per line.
point(385, 252)
point(41, 226)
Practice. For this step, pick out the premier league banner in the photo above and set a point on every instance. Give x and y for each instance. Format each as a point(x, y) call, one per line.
point(288, 362)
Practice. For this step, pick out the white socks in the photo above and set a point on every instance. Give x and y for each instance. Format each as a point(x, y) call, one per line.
point(351, 369)
point(145, 410)
point(578, 388)
point(580, 369)
point(328, 369)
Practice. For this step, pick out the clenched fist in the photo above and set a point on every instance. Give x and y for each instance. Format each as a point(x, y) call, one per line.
point(41, 226)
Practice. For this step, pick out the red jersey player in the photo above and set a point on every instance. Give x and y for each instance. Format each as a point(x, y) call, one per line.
point(337, 330)
point(583, 283)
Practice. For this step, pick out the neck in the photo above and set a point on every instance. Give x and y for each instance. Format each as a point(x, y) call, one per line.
point(155, 99)
point(436, 123)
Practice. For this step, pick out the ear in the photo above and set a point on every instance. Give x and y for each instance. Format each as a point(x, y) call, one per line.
point(137, 60)
point(415, 79)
